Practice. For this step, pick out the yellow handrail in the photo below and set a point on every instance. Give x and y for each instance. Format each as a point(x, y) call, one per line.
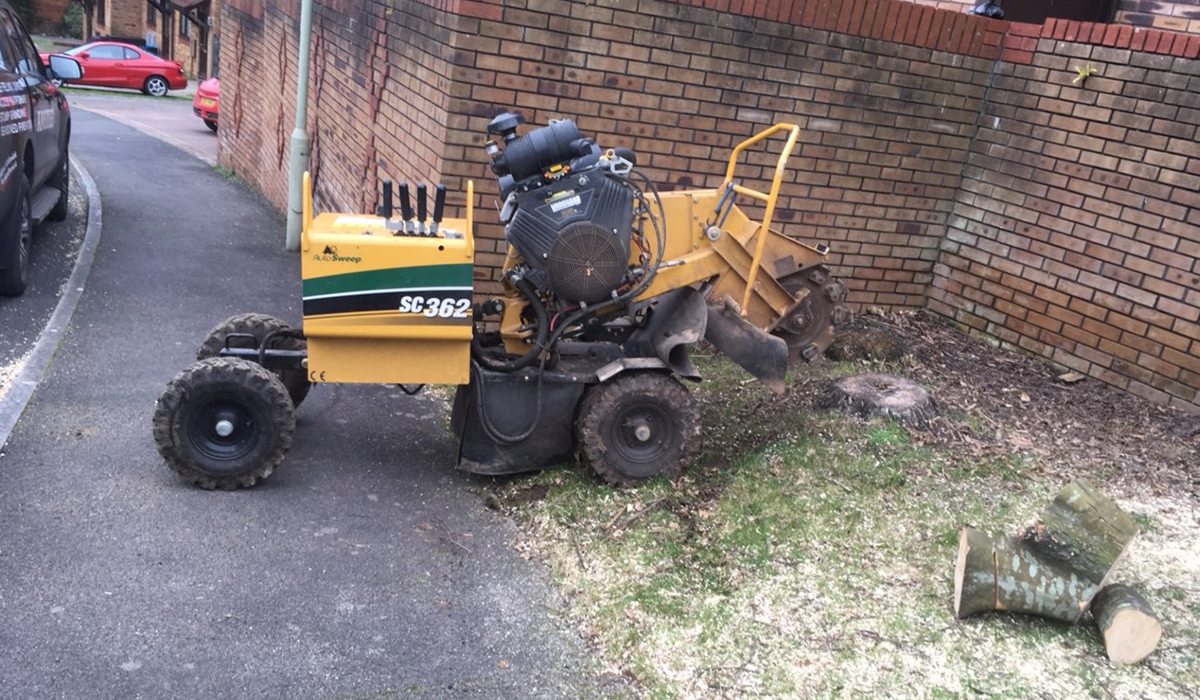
point(771, 198)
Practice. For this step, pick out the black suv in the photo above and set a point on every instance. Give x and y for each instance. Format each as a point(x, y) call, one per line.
point(35, 129)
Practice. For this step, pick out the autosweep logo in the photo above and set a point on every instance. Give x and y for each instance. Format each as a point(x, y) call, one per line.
point(331, 255)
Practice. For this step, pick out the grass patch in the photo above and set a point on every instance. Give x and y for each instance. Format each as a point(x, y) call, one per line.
point(234, 178)
point(131, 93)
point(812, 555)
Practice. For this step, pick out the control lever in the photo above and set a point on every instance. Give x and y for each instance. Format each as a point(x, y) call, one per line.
point(385, 210)
point(406, 208)
point(439, 205)
point(422, 227)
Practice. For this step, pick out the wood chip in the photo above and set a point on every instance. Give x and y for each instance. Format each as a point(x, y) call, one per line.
point(1071, 377)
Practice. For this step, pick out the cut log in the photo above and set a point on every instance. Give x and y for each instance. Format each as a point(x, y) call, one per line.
point(1130, 628)
point(1054, 568)
point(1000, 573)
point(1083, 534)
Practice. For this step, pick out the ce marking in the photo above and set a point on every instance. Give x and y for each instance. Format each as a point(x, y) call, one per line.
point(315, 376)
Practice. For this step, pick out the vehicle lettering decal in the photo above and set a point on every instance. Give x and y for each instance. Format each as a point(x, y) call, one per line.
point(10, 167)
point(14, 108)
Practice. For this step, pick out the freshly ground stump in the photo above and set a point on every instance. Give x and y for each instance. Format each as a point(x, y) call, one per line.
point(864, 340)
point(875, 394)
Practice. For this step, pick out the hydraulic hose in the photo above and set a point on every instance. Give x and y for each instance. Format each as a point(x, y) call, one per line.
point(543, 323)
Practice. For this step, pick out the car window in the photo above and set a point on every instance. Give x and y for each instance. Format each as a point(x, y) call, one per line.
point(107, 52)
point(130, 53)
point(24, 58)
point(6, 61)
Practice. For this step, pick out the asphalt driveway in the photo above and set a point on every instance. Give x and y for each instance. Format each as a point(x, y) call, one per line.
point(364, 567)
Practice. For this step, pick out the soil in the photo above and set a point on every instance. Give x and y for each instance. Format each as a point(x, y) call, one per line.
point(993, 401)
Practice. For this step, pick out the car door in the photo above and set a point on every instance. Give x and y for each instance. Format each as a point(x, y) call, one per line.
point(14, 129)
point(101, 66)
point(130, 69)
point(43, 98)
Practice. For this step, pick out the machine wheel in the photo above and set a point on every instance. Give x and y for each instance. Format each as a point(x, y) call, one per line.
point(14, 279)
point(258, 326)
point(809, 329)
point(155, 85)
point(61, 180)
point(636, 426)
point(210, 124)
point(224, 423)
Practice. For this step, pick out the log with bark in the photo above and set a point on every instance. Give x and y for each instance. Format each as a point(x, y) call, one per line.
point(1128, 624)
point(1053, 568)
point(1057, 568)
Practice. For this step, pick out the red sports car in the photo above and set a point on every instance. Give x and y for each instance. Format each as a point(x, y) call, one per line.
point(204, 104)
point(112, 64)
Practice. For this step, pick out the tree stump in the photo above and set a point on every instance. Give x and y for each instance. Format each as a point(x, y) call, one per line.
point(1054, 568)
point(875, 394)
point(864, 340)
point(1128, 624)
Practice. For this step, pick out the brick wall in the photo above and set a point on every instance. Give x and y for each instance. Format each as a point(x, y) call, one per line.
point(379, 82)
point(125, 18)
point(946, 158)
point(1076, 234)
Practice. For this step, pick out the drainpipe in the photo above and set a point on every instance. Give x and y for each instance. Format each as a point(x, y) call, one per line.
point(298, 161)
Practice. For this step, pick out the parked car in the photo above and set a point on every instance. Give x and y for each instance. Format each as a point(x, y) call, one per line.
point(204, 104)
point(113, 64)
point(35, 133)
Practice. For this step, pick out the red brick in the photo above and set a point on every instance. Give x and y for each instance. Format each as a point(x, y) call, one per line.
point(920, 15)
point(1179, 48)
point(1073, 29)
point(471, 8)
point(1152, 39)
point(887, 29)
point(1192, 50)
point(844, 17)
point(1111, 35)
point(902, 21)
point(927, 36)
point(1138, 41)
point(810, 11)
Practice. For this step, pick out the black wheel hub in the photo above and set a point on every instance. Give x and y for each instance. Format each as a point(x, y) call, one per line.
point(643, 433)
point(223, 430)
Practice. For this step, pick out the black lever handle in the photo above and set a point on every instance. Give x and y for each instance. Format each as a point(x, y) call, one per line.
point(405, 207)
point(421, 203)
point(439, 203)
point(386, 209)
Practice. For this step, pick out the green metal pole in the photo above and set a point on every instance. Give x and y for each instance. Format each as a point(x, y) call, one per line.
point(298, 162)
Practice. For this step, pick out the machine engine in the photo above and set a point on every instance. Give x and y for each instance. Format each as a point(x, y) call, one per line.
point(568, 209)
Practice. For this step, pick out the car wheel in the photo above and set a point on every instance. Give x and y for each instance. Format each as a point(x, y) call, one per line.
point(155, 85)
point(61, 181)
point(20, 235)
point(210, 124)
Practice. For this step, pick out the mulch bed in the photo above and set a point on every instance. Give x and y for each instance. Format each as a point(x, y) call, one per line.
point(994, 400)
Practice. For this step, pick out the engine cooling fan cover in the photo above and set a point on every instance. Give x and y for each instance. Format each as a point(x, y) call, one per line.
point(586, 263)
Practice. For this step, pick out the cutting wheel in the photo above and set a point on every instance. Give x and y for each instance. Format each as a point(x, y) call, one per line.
point(809, 329)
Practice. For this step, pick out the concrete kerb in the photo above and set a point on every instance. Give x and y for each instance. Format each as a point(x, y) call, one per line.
point(13, 404)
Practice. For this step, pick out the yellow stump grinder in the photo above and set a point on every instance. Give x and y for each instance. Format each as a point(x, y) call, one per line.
point(608, 283)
